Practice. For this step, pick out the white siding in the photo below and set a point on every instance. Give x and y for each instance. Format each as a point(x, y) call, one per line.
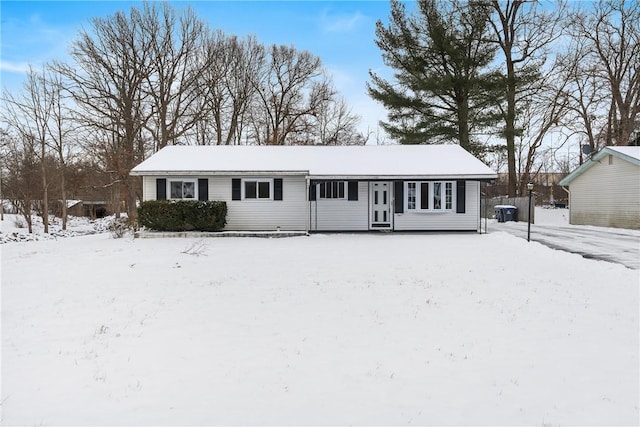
point(607, 195)
point(470, 220)
point(342, 215)
point(294, 212)
point(149, 188)
point(290, 213)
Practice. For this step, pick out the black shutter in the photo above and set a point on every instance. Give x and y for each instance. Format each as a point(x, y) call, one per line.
point(353, 190)
point(235, 189)
point(398, 194)
point(460, 196)
point(312, 191)
point(161, 189)
point(277, 189)
point(203, 189)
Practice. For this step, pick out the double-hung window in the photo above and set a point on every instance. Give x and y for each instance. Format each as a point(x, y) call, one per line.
point(429, 196)
point(259, 189)
point(332, 190)
point(182, 189)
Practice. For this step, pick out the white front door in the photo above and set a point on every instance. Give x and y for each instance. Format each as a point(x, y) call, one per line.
point(380, 216)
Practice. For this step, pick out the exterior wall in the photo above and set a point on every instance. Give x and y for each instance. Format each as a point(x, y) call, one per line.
point(342, 215)
point(434, 221)
point(606, 195)
point(290, 213)
point(149, 188)
point(295, 212)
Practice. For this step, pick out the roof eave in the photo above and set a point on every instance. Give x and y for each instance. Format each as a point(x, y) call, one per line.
point(596, 158)
point(370, 177)
point(214, 173)
point(416, 177)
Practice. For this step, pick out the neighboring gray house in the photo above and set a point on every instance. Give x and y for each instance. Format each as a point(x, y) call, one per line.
point(321, 188)
point(605, 190)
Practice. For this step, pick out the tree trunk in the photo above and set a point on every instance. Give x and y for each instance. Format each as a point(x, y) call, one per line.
point(63, 192)
point(45, 191)
point(509, 130)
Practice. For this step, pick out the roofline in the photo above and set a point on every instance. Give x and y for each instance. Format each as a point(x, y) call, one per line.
point(306, 174)
point(215, 173)
point(472, 177)
point(596, 158)
point(623, 156)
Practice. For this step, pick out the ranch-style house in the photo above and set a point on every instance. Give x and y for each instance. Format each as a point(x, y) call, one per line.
point(325, 188)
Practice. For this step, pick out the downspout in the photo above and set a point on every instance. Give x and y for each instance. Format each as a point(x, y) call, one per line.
point(568, 201)
point(480, 207)
point(308, 205)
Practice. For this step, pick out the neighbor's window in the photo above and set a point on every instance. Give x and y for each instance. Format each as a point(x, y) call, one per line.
point(429, 196)
point(257, 189)
point(331, 190)
point(183, 189)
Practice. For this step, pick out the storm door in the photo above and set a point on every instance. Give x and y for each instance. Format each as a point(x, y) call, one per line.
point(380, 215)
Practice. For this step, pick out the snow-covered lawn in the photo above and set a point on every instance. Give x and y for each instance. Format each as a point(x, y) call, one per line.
point(361, 329)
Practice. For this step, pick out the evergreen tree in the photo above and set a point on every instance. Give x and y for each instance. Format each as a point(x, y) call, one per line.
point(442, 88)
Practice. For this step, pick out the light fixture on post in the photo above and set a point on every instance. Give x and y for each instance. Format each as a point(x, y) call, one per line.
point(530, 189)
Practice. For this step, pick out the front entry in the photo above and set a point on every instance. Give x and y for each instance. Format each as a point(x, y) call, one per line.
point(380, 217)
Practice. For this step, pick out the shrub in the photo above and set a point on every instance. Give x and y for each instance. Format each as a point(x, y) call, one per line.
point(120, 227)
point(187, 215)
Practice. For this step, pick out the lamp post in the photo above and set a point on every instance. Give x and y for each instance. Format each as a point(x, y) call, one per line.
point(529, 188)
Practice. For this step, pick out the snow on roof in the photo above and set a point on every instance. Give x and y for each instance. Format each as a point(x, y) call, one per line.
point(628, 153)
point(318, 161)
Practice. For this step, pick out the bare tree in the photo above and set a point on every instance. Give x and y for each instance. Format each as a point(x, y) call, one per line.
point(524, 31)
point(59, 131)
point(227, 86)
point(20, 163)
point(28, 114)
point(112, 65)
point(542, 112)
point(336, 124)
point(172, 85)
point(606, 72)
point(585, 93)
point(290, 90)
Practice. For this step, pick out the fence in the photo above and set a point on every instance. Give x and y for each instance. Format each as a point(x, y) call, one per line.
point(522, 203)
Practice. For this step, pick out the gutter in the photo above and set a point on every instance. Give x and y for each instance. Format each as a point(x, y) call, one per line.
point(216, 173)
point(569, 199)
point(473, 177)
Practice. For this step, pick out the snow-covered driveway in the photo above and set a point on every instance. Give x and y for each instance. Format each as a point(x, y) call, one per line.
point(608, 244)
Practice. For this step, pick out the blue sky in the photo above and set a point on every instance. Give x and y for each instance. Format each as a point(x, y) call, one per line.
point(341, 33)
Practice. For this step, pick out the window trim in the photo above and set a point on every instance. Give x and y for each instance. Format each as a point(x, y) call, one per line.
point(243, 195)
point(194, 182)
point(345, 190)
point(417, 201)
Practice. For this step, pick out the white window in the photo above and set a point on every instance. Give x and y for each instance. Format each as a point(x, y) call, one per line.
point(332, 190)
point(432, 196)
point(448, 196)
point(411, 196)
point(182, 189)
point(259, 189)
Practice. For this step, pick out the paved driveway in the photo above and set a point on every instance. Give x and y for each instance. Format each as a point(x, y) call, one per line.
point(607, 244)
